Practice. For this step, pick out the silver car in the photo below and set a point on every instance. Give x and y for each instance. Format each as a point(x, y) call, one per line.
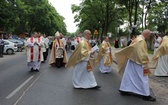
point(9, 47)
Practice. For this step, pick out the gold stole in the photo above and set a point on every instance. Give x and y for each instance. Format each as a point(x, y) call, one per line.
point(89, 68)
point(110, 53)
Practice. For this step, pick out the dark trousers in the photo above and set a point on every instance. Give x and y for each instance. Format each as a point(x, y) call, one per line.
point(59, 62)
point(1, 50)
point(45, 54)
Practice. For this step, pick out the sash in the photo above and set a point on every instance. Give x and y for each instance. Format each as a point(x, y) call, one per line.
point(32, 50)
point(89, 68)
point(110, 53)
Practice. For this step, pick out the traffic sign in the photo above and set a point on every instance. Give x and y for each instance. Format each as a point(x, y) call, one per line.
point(96, 32)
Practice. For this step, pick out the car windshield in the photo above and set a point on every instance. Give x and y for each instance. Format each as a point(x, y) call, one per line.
point(16, 41)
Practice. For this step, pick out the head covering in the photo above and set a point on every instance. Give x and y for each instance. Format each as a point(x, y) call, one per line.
point(57, 34)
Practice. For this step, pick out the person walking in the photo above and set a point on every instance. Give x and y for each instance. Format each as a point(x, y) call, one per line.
point(82, 59)
point(1, 46)
point(104, 57)
point(161, 57)
point(133, 64)
point(34, 52)
point(58, 56)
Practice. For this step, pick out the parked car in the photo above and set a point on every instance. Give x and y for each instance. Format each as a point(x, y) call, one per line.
point(19, 43)
point(9, 47)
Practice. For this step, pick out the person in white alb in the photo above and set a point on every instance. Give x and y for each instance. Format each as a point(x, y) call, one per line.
point(104, 57)
point(73, 44)
point(133, 64)
point(34, 52)
point(44, 48)
point(157, 40)
point(79, 38)
point(161, 58)
point(47, 44)
point(63, 39)
point(122, 42)
point(82, 59)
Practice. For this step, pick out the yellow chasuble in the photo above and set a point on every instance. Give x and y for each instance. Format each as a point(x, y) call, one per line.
point(162, 50)
point(80, 53)
point(136, 52)
point(56, 44)
point(102, 52)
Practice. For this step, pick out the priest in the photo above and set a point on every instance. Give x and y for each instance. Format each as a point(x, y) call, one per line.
point(58, 56)
point(161, 58)
point(82, 59)
point(34, 52)
point(104, 57)
point(133, 62)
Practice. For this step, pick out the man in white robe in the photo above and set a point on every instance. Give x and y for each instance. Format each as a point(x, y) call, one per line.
point(34, 52)
point(82, 59)
point(134, 61)
point(161, 57)
point(58, 56)
point(104, 57)
point(157, 40)
point(79, 38)
point(44, 48)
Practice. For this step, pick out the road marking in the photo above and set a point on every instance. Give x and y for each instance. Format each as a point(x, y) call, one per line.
point(17, 89)
point(29, 88)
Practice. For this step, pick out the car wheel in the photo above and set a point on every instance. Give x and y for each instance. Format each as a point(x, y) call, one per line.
point(19, 49)
point(9, 51)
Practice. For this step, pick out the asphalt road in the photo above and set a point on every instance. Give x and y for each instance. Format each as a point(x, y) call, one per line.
point(52, 86)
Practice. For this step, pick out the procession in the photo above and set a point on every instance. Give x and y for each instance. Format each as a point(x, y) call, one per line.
point(133, 57)
point(91, 53)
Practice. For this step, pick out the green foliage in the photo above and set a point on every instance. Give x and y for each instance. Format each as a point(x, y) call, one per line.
point(30, 15)
point(109, 15)
point(96, 14)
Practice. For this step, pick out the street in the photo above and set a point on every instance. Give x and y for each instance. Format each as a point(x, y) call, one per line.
point(53, 86)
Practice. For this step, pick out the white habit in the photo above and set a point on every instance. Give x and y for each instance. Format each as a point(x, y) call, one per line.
point(162, 67)
point(102, 68)
point(133, 79)
point(81, 77)
point(34, 52)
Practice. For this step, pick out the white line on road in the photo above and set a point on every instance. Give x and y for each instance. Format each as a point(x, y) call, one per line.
point(17, 89)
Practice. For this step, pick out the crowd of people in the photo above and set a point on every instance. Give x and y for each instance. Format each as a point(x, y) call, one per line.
point(132, 59)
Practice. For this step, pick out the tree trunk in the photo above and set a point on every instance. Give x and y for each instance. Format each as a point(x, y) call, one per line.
point(135, 16)
point(143, 17)
point(107, 19)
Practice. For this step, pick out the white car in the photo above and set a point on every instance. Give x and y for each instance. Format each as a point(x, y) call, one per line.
point(9, 47)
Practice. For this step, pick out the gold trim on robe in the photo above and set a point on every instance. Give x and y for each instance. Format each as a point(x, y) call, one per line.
point(102, 52)
point(137, 52)
point(52, 59)
point(80, 53)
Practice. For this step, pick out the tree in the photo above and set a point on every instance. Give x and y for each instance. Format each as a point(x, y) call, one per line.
point(28, 16)
point(95, 14)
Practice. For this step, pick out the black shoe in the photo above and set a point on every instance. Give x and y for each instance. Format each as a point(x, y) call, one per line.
point(32, 69)
point(96, 87)
point(106, 72)
point(124, 93)
point(149, 98)
point(37, 70)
